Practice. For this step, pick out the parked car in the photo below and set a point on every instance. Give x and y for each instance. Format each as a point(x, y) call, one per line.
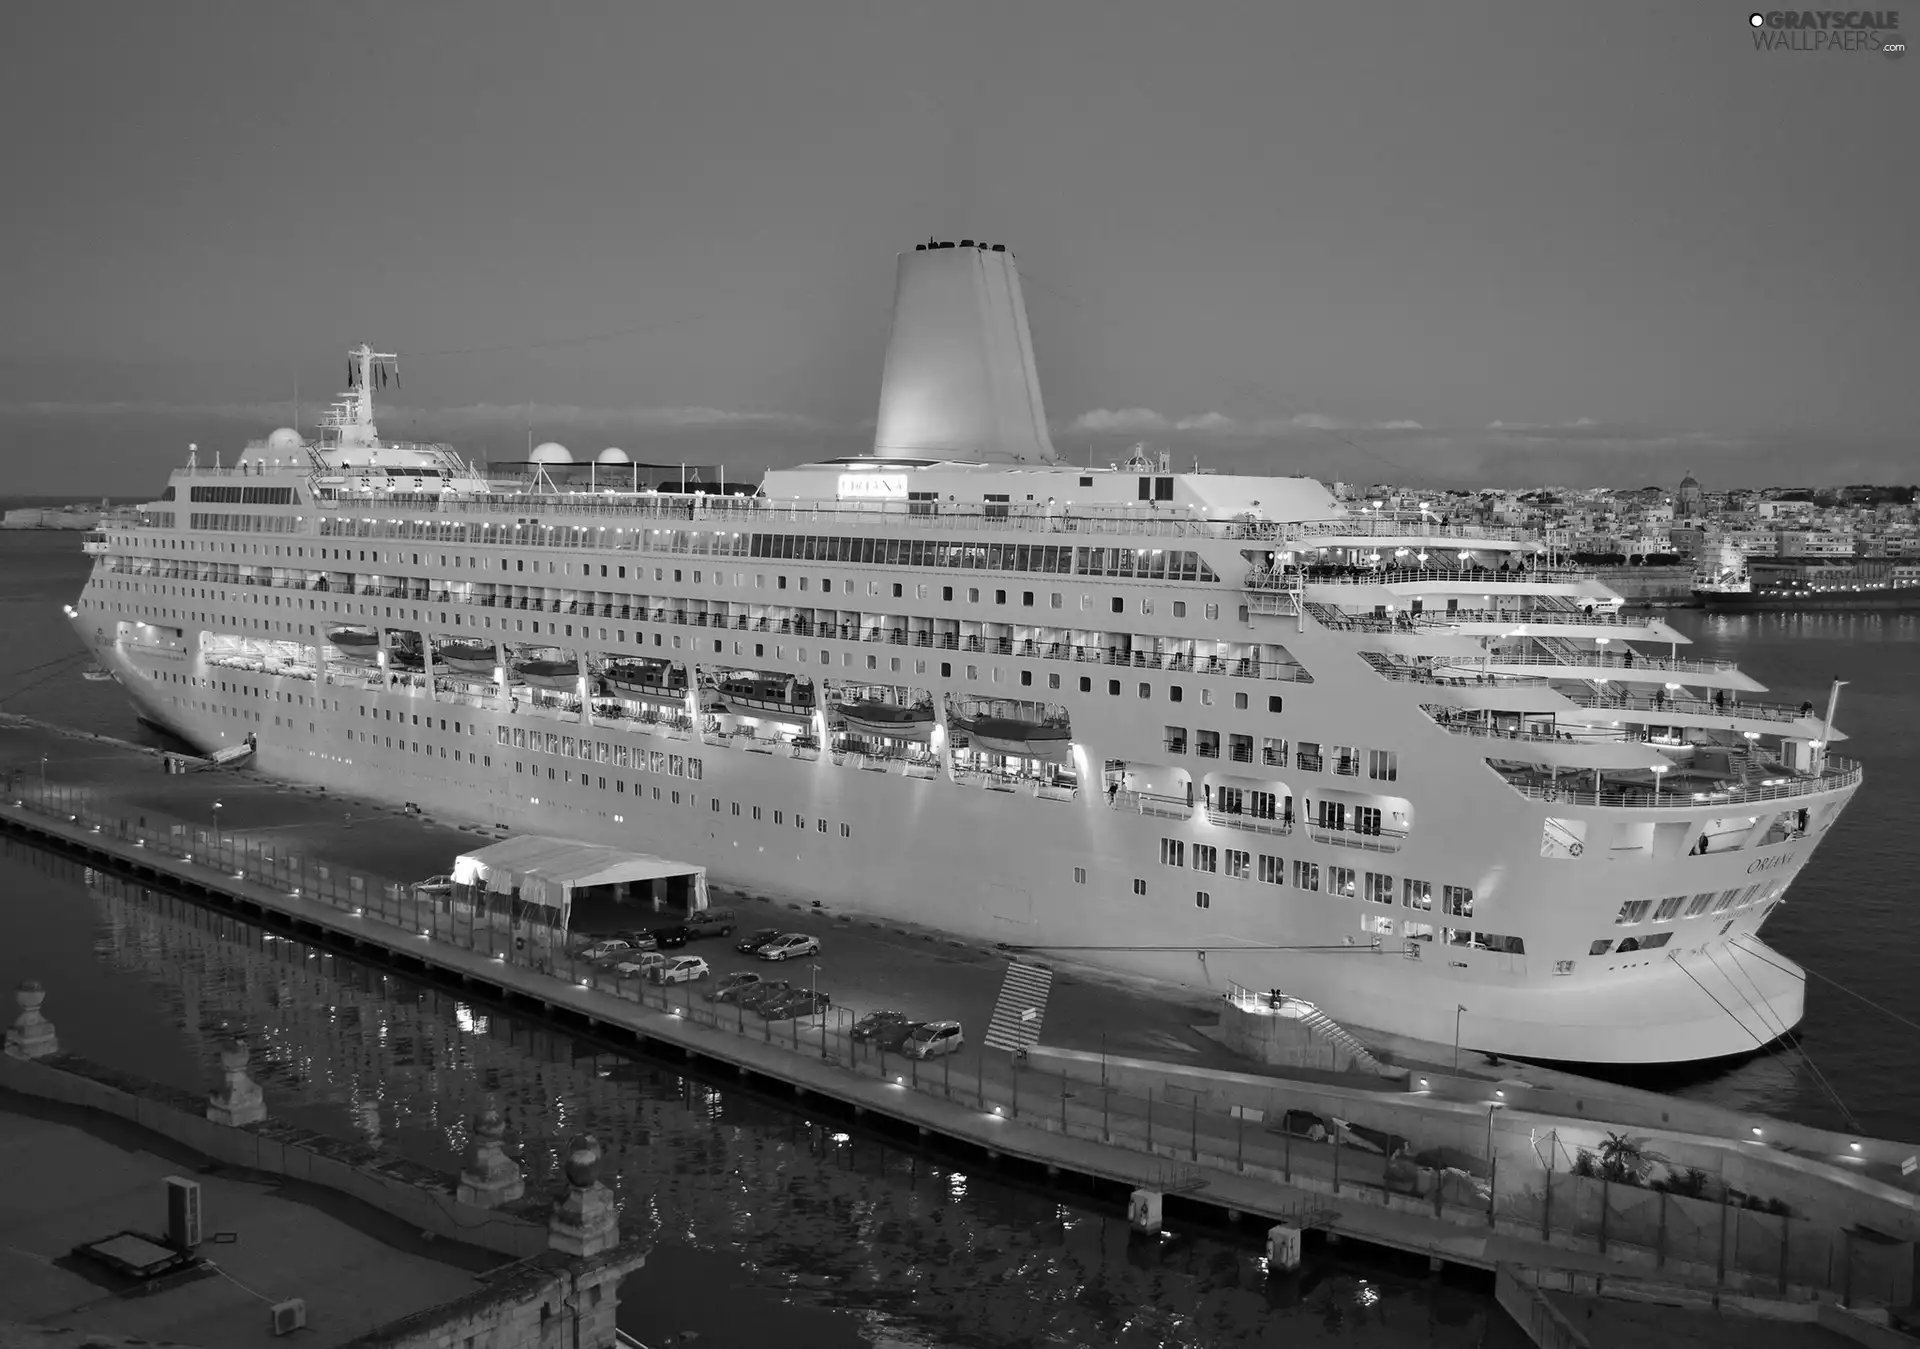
point(642, 963)
point(640, 941)
point(787, 947)
point(680, 970)
point(607, 948)
point(931, 1039)
point(748, 945)
point(731, 986)
point(763, 993)
point(671, 937)
point(800, 1002)
point(887, 1029)
point(710, 923)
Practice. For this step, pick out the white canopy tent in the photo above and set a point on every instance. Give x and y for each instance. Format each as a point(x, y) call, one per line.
point(547, 871)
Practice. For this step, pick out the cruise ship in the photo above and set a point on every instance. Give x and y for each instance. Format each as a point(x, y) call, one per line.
point(1210, 729)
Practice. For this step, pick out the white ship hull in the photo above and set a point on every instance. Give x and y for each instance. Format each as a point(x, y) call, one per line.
point(916, 856)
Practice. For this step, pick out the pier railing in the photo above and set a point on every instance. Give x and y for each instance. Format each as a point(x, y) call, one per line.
point(1189, 1135)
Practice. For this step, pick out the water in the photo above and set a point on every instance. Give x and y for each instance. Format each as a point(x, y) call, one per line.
point(761, 1217)
point(1849, 917)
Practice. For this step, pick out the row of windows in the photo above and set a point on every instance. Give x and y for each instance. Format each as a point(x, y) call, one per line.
point(1146, 564)
point(1707, 901)
point(246, 524)
point(594, 782)
point(1456, 901)
point(248, 496)
point(602, 751)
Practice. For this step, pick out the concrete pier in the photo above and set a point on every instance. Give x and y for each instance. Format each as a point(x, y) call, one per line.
point(1206, 1140)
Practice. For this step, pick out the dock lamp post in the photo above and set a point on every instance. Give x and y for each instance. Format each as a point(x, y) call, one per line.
point(813, 993)
point(216, 824)
point(1457, 1011)
point(43, 774)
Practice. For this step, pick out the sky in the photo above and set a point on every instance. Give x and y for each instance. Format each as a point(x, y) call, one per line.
point(1449, 245)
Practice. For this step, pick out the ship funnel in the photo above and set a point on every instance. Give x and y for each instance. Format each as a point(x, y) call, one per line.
point(959, 380)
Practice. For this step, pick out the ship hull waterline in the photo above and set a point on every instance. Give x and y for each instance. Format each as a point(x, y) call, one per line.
point(1618, 1021)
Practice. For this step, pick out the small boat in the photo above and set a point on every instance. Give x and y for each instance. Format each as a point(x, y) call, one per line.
point(476, 658)
point(562, 676)
point(767, 697)
point(1017, 737)
point(94, 674)
point(649, 681)
point(356, 644)
point(891, 721)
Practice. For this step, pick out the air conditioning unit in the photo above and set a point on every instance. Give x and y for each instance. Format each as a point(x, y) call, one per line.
point(183, 1213)
point(289, 1316)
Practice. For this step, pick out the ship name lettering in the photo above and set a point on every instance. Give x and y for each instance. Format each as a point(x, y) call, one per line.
point(1769, 863)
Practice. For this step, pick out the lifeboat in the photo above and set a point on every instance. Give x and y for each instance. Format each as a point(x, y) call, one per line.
point(1017, 737)
point(356, 644)
point(768, 697)
point(891, 721)
point(562, 676)
point(466, 657)
point(649, 681)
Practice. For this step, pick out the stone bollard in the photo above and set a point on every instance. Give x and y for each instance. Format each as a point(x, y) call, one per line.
point(240, 1102)
point(490, 1177)
point(1283, 1248)
point(1144, 1210)
point(31, 1035)
point(585, 1221)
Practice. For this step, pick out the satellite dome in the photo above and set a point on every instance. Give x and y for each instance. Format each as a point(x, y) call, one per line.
point(612, 455)
point(284, 440)
point(552, 452)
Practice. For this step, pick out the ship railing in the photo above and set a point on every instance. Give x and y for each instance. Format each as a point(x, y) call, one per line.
point(1837, 775)
point(1472, 578)
point(1278, 826)
point(1569, 733)
point(1380, 840)
point(1608, 660)
point(1407, 672)
point(1150, 803)
point(1730, 706)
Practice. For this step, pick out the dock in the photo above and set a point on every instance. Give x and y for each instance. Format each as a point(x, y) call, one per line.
point(1473, 1188)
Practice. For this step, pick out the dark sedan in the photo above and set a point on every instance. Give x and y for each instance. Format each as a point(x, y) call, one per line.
point(748, 945)
point(799, 1003)
point(880, 1026)
point(763, 993)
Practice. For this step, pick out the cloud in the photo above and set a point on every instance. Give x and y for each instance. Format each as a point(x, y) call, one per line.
point(1145, 421)
point(1121, 421)
point(473, 415)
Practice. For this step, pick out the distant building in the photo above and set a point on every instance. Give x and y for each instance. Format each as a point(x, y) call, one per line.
point(1691, 500)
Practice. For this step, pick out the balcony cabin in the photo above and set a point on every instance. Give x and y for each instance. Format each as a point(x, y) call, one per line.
point(1163, 790)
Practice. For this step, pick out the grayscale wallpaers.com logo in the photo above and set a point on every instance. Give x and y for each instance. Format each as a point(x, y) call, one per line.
point(1829, 30)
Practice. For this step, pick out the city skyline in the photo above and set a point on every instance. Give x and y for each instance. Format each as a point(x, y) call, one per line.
point(1515, 251)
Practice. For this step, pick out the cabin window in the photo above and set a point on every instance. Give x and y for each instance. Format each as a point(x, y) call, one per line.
point(1119, 604)
point(1202, 900)
point(1273, 870)
point(1139, 886)
point(1026, 676)
point(1175, 693)
point(1306, 876)
point(1079, 875)
point(1086, 684)
point(1113, 688)
point(1173, 852)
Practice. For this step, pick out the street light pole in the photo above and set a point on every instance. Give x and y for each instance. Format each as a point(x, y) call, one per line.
point(216, 824)
point(1457, 1010)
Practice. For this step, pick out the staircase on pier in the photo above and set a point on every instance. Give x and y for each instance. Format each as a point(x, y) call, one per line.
point(1022, 1008)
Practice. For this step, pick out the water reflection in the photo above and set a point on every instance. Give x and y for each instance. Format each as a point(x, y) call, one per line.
point(846, 1238)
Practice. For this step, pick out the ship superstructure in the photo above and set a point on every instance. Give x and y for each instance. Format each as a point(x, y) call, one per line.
point(1209, 728)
